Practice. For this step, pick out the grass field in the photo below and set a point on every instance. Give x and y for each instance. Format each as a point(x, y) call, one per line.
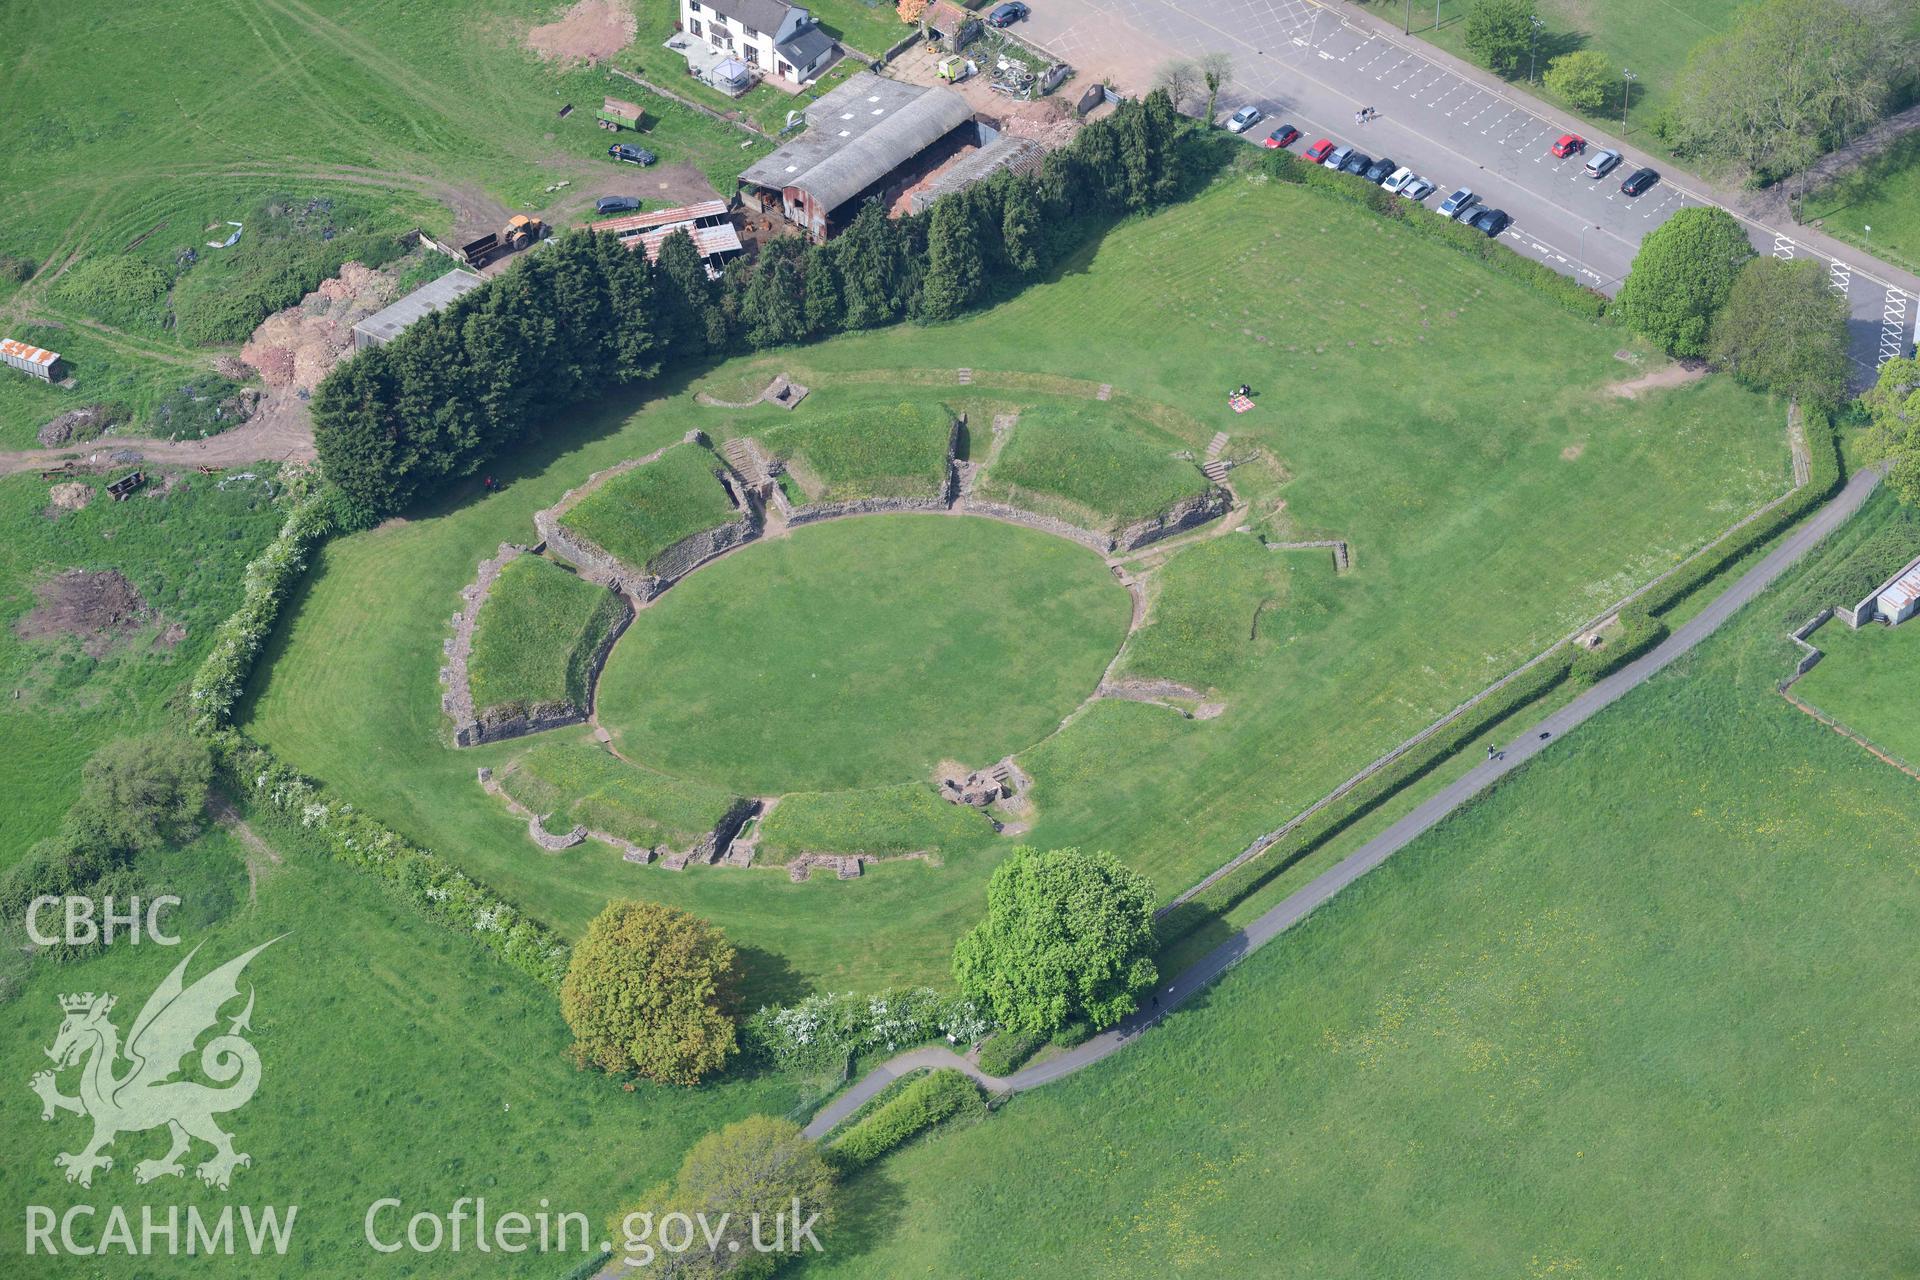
point(142, 131)
point(1869, 680)
point(398, 1061)
point(908, 817)
point(536, 635)
point(863, 653)
point(576, 780)
point(880, 449)
point(1883, 194)
point(1080, 464)
point(71, 689)
point(1651, 37)
point(1205, 613)
point(636, 515)
point(1635, 1013)
point(1488, 513)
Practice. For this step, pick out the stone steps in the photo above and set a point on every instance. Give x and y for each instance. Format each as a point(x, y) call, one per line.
point(965, 376)
point(1105, 392)
point(1216, 470)
point(1217, 445)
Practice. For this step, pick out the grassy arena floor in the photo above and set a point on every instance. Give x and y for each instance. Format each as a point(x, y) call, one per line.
point(1489, 512)
point(863, 652)
point(536, 635)
point(1869, 680)
point(1636, 1013)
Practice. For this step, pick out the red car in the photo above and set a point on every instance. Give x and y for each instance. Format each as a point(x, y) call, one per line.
point(1569, 144)
point(1285, 136)
point(1320, 150)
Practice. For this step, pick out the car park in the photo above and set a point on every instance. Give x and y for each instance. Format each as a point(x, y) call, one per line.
point(1244, 119)
point(1568, 144)
point(1005, 15)
point(1418, 189)
point(1356, 163)
point(1639, 180)
point(626, 153)
point(1398, 179)
point(1459, 200)
point(1320, 150)
point(616, 204)
point(1380, 170)
point(1490, 221)
point(1602, 163)
point(1285, 136)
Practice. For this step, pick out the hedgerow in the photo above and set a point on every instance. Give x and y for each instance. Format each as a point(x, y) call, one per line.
point(918, 1107)
point(828, 1029)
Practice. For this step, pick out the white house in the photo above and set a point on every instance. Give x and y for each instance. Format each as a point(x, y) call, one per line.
point(772, 37)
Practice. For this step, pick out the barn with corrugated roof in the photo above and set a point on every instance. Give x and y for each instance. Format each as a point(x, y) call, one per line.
point(867, 136)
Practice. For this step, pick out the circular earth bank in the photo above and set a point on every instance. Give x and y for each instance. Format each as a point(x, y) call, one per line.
point(862, 652)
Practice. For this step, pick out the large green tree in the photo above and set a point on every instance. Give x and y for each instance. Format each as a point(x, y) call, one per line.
point(1067, 935)
point(652, 990)
point(774, 312)
point(956, 273)
point(1790, 81)
point(1784, 329)
point(1893, 410)
point(1499, 33)
point(760, 1166)
point(1681, 277)
point(872, 268)
point(141, 793)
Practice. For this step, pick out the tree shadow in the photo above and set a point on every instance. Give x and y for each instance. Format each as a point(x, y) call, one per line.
point(767, 978)
point(872, 1207)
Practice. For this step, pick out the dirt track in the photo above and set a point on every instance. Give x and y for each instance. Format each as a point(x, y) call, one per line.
point(281, 432)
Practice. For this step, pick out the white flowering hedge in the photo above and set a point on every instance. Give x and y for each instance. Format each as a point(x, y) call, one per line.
point(436, 887)
point(429, 882)
point(269, 577)
point(826, 1030)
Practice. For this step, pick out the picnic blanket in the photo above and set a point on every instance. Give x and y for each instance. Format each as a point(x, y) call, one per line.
point(1240, 403)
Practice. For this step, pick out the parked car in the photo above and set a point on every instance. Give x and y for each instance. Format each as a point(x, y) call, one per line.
point(626, 153)
point(1338, 156)
point(1397, 179)
point(1459, 200)
point(616, 204)
point(1602, 163)
point(1285, 136)
point(1357, 162)
point(1005, 15)
point(1244, 119)
point(1320, 150)
point(1382, 169)
point(1418, 189)
point(1569, 144)
point(1468, 211)
point(1491, 221)
point(1639, 180)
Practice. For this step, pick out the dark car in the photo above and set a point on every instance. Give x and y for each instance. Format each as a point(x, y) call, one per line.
point(1639, 180)
point(616, 204)
point(1005, 15)
point(1356, 162)
point(628, 154)
point(1491, 221)
point(1381, 170)
point(1285, 136)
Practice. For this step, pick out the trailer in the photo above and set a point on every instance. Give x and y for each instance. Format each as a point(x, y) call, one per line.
point(616, 114)
point(123, 488)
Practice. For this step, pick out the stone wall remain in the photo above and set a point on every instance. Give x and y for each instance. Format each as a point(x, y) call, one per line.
point(815, 512)
point(1185, 514)
point(1099, 542)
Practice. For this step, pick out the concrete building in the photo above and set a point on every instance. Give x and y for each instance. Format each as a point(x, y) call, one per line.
point(862, 138)
point(35, 362)
point(709, 224)
point(771, 37)
point(382, 327)
point(1893, 601)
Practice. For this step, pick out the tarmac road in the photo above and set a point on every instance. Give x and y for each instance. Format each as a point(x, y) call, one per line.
point(1417, 822)
point(1314, 65)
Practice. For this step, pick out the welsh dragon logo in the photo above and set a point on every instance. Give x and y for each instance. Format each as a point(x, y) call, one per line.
point(147, 1093)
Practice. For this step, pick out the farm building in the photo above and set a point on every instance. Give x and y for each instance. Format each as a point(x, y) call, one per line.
point(708, 224)
point(863, 139)
point(35, 362)
point(761, 37)
point(1893, 601)
point(953, 27)
point(382, 327)
point(1021, 155)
